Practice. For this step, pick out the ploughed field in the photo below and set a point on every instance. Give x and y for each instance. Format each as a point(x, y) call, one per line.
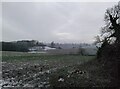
point(42, 70)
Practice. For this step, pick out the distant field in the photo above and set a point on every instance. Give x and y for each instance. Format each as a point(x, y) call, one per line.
point(40, 70)
point(23, 56)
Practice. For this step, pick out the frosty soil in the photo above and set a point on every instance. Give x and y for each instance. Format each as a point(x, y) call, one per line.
point(27, 74)
point(35, 70)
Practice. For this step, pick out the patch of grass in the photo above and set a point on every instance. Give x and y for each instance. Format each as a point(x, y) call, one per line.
point(20, 56)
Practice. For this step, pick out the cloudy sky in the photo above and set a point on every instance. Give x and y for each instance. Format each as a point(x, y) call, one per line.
point(53, 21)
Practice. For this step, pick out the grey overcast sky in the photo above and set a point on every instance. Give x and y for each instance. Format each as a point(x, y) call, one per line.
point(62, 22)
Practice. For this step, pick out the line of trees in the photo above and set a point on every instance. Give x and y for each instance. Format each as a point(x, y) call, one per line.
point(9, 46)
point(20, 46)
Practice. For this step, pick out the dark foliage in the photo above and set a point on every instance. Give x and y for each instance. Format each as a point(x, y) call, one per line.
point(52, 45)
point(9, 46)
point(109, 53)
point(110, 32)
point(20, 46)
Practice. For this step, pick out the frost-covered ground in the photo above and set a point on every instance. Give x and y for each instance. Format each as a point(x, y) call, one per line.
point(27, 74)
point(33, 70)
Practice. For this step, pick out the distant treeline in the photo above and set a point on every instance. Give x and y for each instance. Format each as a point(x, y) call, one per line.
point(20, 46)
point(24, 45)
